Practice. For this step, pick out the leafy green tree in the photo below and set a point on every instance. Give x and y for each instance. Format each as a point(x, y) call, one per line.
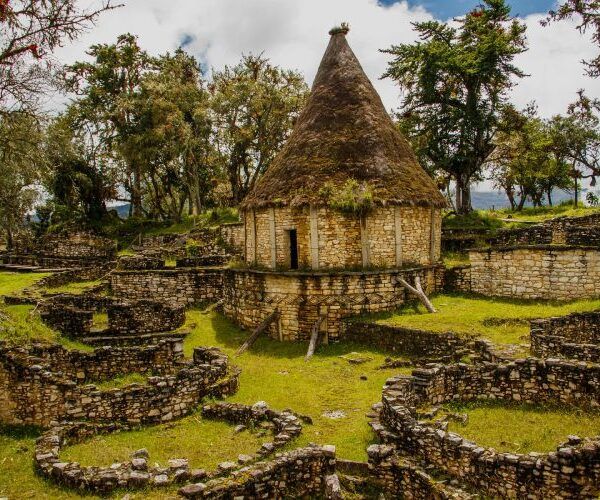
point(107, 90)
point(255, 105)
point(527, 164)
point(79, 176)
point(456, 81)
point(588, 14)
point(30, 30)
point(21, 164)
point(172, 139)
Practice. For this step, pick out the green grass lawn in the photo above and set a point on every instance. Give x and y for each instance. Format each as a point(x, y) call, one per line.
point(542, 214)
point(503, 321)
point(13, 283)
point(277, 373)
point(205, 443)
point(522, 428)
point(76, 288)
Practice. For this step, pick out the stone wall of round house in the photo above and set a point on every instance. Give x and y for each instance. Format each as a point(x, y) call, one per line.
point(388, 237)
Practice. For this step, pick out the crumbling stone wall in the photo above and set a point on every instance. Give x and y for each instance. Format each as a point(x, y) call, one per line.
point(233, 236)
point(179, 286)
point(46, 384)
point(300, 473)
point(578, 231)
point(544, 272)
point(407, 341)
point(572, 472)
point(341, 242)
point(574, 336)
point(250, 296)
point(144, 316)
point(68, 320)
point(75, 246)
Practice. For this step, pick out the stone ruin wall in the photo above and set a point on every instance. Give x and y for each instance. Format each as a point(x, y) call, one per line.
point(545, 272)
point(344, 242)
point(76, 246)
point(575, 336)
point(406, 341)
point(576, 231)
point(47, 386)
point(178, 286)
point(572, 472)
point(250, 296)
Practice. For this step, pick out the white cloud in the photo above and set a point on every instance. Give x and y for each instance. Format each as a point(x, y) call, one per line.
point(293, 34)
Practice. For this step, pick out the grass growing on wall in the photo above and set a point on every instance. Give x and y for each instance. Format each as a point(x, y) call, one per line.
point(503, 321)
point(522, 428)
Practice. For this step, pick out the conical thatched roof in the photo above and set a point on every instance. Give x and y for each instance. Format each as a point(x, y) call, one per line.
point(343, 133)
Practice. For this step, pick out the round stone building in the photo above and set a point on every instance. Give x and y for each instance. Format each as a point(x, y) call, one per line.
point(342, 209)
point(346, 191)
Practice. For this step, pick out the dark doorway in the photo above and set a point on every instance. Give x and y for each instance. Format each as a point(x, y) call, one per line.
point(293, 249)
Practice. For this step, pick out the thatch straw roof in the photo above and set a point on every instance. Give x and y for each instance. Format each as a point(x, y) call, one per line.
point(344, 133)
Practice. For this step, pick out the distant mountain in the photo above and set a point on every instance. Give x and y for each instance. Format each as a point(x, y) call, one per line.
point(485, 200)
point(122, 210)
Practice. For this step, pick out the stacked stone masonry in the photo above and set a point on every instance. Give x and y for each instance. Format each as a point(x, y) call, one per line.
point(300, 473)
point(388, 237)
point(544, 272)
point(138, 473)
point(179, 286)
point(406, 341)
point(575, 336)
point(250, 296)
point(47, 384)
point(573, 471)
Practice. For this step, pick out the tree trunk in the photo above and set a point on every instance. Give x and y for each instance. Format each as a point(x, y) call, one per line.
point(549, 194)
point(136, 191)
point(463, 195)
point(10, 243)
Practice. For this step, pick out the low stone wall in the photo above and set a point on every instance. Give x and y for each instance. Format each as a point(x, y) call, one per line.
point(300, 473)
point(203, 261)
point(76, 245)
point(233, 236)
point(571, 472)
point(458, 279)
point(407, 341)
point(138, 473)
point(140, 263)
point(45, 384)
point(144, 316)
point(544, 272)
point(301, 298)
point(579, 231)
point(67, 320)
point(92, 272)
point(574, 336)
point(403, 479)
point(179, 286)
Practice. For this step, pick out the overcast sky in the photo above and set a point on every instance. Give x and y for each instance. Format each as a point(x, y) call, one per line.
point(293, 34)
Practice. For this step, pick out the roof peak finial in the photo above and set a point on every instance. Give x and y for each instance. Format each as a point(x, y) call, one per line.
point(344, 28)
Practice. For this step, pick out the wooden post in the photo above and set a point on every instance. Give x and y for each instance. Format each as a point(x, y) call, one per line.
point(432, 241)
point(256, 333)
point(398, 233)
point(314, 338)
point(314, 237)
point(253, 232)
point(364, 242)
point(273, 238)
point(418, 291)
